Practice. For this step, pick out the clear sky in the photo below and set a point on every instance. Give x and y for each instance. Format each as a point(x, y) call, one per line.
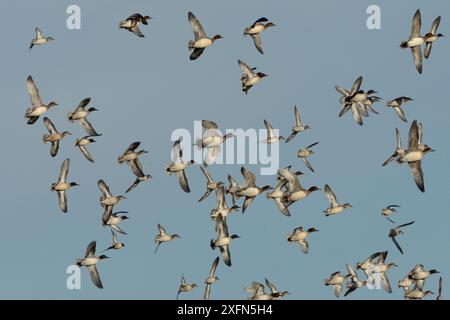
point(146, 88)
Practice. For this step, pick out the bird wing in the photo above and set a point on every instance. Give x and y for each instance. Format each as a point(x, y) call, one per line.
point(161, 230)
point(104, 189)
point(182, 180)
point(397, 244)
point(214, 267)
point(331, 196)
point(413, 143)
point(197, 27)
point(308, 164)
point(416, 169)
point(86, 153)
point(263, 19)
point(62, 200)
point(416, 24)
point(50, 126)
point(257, 40)
point(64, 171)
point(207, 175)
point(87, 126)
point(248, 72)
point(269, 129)
point(83, 103)
point(401, 114)
point(417, 55)
point(136, 167)
point(90, 250)
point(95, 276)
point(356, 85)
point(33, 92)
point(250, 179)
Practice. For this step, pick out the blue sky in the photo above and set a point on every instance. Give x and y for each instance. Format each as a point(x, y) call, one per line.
point(146, 88)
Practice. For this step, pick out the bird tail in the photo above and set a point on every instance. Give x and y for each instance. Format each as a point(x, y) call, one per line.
point(45, 137)
point(191, 44)
point(404, 45)
point(326, 282)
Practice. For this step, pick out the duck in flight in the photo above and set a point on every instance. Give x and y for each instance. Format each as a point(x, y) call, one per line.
point(223, 240)
point(299, 126)
point(39, 39)
point(38, 108)
point(305, 153)
point(211, 278)
point(80, 114)
point(178, 166)
point(54, 137)
point(432, 36)
point(415, 154)
point(132, 24)
point(62, 185)
point(90, 261)
point(415, 41)
point(255, 31)
point(393, 233)
point(396, 104)
point(249, 77)
point(82, 143)
point(163, 236)
point(201, 41)
point(389, 210)
point(249, 190)
point(335, 206)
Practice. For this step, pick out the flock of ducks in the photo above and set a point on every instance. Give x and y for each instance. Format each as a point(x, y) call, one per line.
point(287, 191)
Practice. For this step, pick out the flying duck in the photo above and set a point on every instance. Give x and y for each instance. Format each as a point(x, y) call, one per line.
point(305, 153)
point(39, 39)
point(299, 235)
point(37, 108)
point(53, 137)
point(222, 207)
point(210, 184)
point(432, 37)
point(233, 188)
point(116, 245)
point(249, 190)
point(415, 41)
point(399, 151)
point(355, 282)
point(201, 39)
point(335, 207)
point(80, 114)
point(393, 233)
point(414, 155)
point(271, 137)
point(211, 278)
point(62, 185)
point(336, 280)
point(389, 210)
point(132, 24)
point(82, 143)
point(163, 236)
point(299, 127)
point(113, 220)
point(178, 166)
point(274, 293)
point(396, 105)
point(131, 157)
point(278, 194)
point(90, 261)
point(223, 240)
point(381, 268)
point(295, 191)
point(249, 77)
point(185, 287)
point(255, 32)
point(417, 294)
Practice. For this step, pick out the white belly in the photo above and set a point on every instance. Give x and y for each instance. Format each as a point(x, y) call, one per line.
point(415, 42)
point(252, 81)
point(250, 192)
point(202, 43)
point(222, 242)
point(38, 111)
point(177, 167)
point(89, 261)
point(299, 195)
point(256, 29)
point(413, 156)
